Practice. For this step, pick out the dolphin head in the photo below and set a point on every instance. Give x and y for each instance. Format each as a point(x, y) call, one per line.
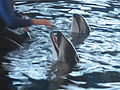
point(80, 29)
point(63, 50)
point(79, 24)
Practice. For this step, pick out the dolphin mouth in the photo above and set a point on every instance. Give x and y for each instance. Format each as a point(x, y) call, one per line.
point(54, 39)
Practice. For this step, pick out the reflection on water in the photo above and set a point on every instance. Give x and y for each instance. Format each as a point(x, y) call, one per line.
point(99, 66)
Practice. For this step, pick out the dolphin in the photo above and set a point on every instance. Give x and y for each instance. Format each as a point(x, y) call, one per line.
point(80, 30)
point(64, 53)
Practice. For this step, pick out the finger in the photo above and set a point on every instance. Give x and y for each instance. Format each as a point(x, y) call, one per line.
point(26, 29)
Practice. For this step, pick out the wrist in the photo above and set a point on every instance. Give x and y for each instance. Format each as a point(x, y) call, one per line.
point(33, 21)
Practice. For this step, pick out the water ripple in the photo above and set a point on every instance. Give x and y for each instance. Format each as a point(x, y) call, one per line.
point(99, 66)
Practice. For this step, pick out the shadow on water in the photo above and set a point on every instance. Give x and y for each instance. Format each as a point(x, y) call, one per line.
point(5, 81)
point(93, 79)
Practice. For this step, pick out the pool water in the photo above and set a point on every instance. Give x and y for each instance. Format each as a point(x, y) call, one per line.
point(99, 67)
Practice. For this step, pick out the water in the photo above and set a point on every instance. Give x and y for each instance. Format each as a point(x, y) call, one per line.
point(99, 66)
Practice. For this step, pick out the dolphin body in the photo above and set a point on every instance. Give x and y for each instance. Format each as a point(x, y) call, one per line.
point(64, 53)
point(80, 30)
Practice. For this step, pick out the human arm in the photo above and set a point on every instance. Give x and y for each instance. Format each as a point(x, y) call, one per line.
point(9, 16)
point(13, 20)
point(41, 22)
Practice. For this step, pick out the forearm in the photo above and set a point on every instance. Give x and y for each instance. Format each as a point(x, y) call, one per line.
point(9, 17)
point(41, 22)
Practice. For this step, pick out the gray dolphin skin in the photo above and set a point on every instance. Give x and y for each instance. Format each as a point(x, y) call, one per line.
point(64, 53)
point(64, 59)
point(80, 30)
point(79, 25)
point(63, 49)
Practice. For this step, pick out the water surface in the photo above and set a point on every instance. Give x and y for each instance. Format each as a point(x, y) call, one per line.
point(99, 66)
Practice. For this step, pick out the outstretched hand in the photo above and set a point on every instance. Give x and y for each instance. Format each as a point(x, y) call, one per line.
point(42, 22)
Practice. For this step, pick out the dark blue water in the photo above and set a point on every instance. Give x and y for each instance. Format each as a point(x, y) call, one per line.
point(99, 67)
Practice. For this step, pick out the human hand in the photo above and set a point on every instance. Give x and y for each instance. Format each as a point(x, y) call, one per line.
point(26, 29)
point(45, 22)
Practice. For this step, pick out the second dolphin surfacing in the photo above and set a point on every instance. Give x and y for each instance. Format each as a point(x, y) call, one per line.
point(80, 30)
